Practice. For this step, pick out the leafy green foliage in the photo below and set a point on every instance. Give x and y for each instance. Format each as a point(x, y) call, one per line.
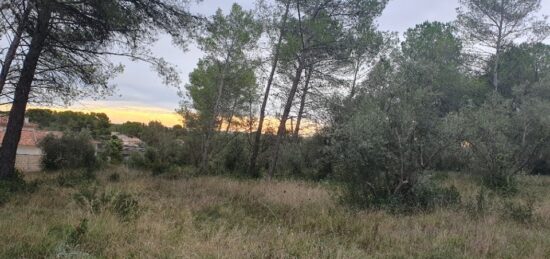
point(521, 66)
point(505, 138)
point(223, 86)
point(132, 129)
point(71, 151)
point(113, 150)
point(98, 124)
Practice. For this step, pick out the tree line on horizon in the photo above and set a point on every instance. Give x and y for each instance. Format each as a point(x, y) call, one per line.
point(470, 95)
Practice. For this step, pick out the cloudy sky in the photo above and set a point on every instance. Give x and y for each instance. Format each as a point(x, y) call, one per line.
point(141, 96)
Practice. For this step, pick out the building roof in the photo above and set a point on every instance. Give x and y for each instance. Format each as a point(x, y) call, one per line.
point(127, 140)
point(30, 135)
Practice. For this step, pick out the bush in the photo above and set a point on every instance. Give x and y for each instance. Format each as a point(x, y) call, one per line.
point(123, 205)
point(504, 137)
point(235, 157)
point(541, 167)
point(126, 207)
point(72, 151)
point(151, 159)
point(136, 160)
point(519, 212)
point(77, 233)
point(425, 195)
point(92, 200)
point(503, 183)
point(113, 150)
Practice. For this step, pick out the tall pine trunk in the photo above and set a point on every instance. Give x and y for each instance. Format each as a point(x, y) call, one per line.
point(302, 104)
point(282, 126)
point(8, 151)
point(252, 170)
point(12, 50)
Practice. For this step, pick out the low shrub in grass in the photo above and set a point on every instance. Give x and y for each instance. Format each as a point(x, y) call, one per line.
point(74, 178)
point(77, 233)
point(93, 200)
point(425, 195)
point(520, 211)
point(503, 183)
point(124, 205)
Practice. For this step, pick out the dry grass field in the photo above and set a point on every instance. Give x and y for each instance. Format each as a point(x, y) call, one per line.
point(135, 215)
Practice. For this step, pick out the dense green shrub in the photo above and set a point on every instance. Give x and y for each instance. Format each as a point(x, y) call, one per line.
point(113, 150)
point(235, 156)
point(506, 137)
point(72, 151)
point(540, 167)
point(151, 159)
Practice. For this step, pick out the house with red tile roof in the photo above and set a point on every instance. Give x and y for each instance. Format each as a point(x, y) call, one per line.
point(29, 153)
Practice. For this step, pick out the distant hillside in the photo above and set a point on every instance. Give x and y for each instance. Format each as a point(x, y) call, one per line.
point(97, 123)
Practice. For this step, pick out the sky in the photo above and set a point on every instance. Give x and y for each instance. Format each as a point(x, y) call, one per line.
point(141, 95)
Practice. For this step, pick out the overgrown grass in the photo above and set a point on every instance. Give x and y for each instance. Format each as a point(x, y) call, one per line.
point(217, 217)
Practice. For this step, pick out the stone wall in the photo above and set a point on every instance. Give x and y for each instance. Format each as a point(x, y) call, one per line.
point(29, 163)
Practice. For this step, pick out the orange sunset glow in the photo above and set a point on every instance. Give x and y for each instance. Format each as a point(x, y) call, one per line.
point(144, 114)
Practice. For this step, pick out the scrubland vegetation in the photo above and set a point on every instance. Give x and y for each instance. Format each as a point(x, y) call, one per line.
point(431, 145)
point(136, 215)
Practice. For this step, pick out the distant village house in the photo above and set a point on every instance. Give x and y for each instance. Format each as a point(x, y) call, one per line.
point(129, 144)
point(29, 154)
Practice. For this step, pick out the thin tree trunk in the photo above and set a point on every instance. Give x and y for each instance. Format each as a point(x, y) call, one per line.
point(8, 151)
point(495, 70)
point(12, 50)
point(252, 170)
point(498, 51)
point(282, 126)
point(212, 123)
point(302, 104)
point(354, 83)
point(230, 119)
